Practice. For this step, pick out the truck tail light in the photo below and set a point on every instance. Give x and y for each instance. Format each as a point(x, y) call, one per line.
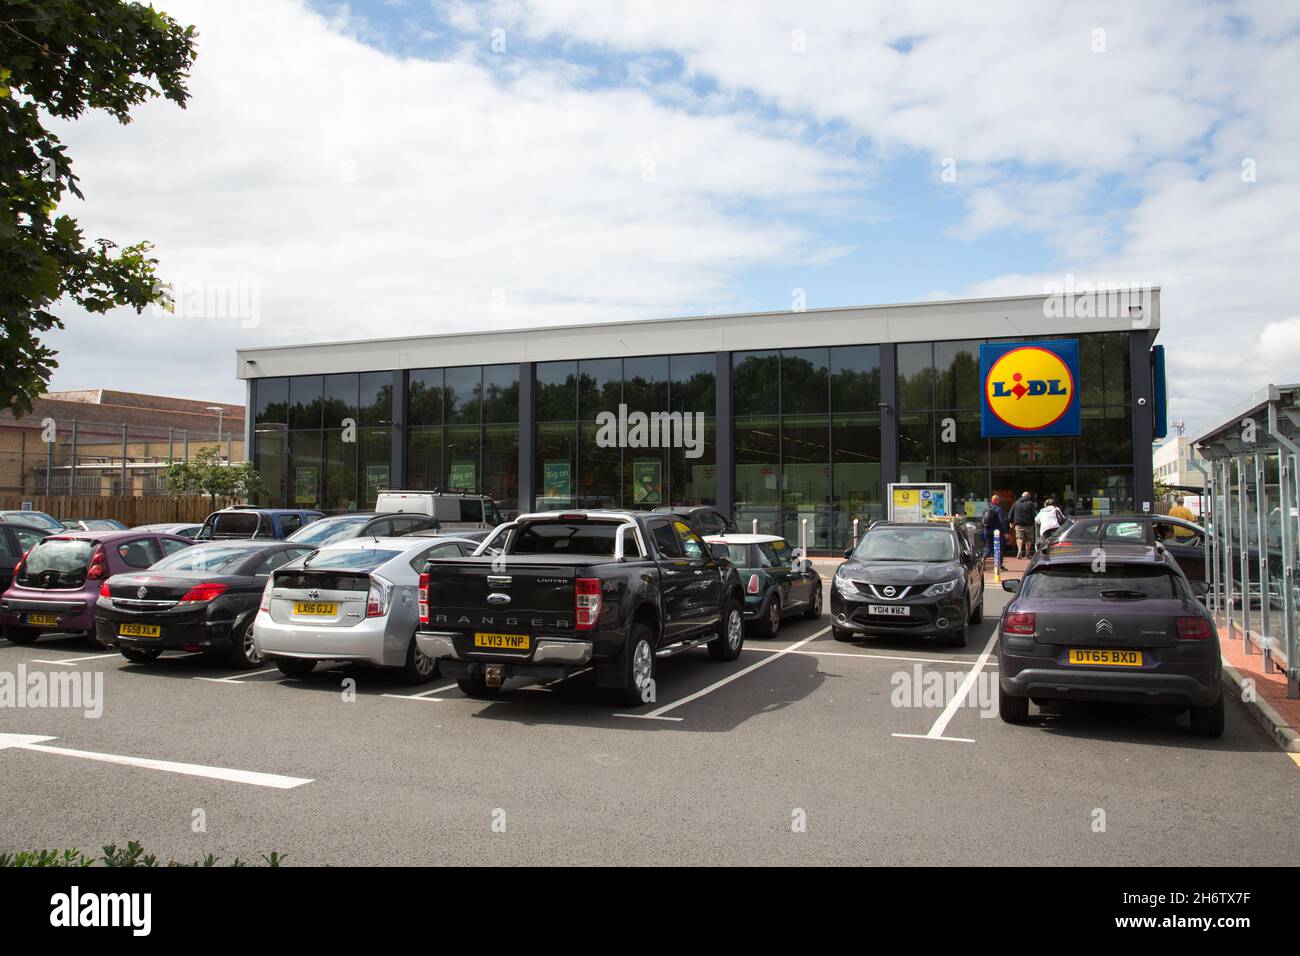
point(752, 586)
point(422, 596)
point(586, 602)
point(1019, 623)
point(1193, 629)
point(97, 567)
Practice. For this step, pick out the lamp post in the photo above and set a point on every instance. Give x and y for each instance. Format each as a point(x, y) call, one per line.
point(221, 412)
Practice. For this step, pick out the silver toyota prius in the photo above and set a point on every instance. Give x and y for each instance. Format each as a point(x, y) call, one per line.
point(352, 600)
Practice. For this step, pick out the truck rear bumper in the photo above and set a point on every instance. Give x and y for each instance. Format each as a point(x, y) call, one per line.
point(546, 651)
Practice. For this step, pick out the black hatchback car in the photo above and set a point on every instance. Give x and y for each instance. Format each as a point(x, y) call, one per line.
point(1129, 630)
point(203, 598)
point(921, 579)
point(1183, 540)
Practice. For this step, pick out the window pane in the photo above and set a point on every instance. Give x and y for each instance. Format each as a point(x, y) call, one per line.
point(425, 391)
point(305, 401)
point(693, 378)
point(600, 472)
point(556, 466)
point(693, 481)
point(340, 399)
point(376, 461)
point(915, 376)
point(1105, 491)
point(271, 401)
point(501, 464)
point(966, 447)
point(855, 474)
point(855, 378)
point(462, 457)
point(270, 458)
point(464, 387)
point(755, 381)
point(806, 477)
point(305, 460)
point(645, 384)
point(1104, 369)
point(1032, 451)
point(957, 374)
point(376, 399)
point(501, 393)
point(758, 459)
point(340, 491)
point(915, 454)
point(1107, 436)
point(557, 391)
point(805, 380)
point(600, 387)
point(424, 458)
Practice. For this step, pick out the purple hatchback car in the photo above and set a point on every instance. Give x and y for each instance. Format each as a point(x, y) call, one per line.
point(58, 581)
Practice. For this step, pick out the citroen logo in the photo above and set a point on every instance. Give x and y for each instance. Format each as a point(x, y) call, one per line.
point(313, 594)
point(141, 591)
point(1104, 627)
point(498, 598)
point(890, 591)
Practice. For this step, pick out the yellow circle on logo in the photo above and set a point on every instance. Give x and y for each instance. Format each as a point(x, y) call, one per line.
point(1029, 388)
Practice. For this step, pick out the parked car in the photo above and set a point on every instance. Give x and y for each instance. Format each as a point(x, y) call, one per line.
point(94, 524)
point(779, 582)
point(703, 519)
point(245, 521)
point(184, 529)
point(1090, 531)
point(453, 511)
point(34, 519)
point(56, 585)
point(202, 598)
point(572, 590)
point(353, 600)
point(918, 579)
point(360, 525)
point(15, 541)
point(1134, 630)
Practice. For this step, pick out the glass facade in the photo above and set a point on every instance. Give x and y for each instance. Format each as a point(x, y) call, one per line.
point(803, 445)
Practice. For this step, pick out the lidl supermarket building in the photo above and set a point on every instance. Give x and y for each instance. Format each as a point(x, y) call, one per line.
point(805, 415)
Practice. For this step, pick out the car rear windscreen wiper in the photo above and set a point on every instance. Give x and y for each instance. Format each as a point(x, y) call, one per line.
point(1122, 594)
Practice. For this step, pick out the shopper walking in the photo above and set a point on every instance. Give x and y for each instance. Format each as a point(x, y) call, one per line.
point(995, 519)
point(1023, 513)
point(1049, 520)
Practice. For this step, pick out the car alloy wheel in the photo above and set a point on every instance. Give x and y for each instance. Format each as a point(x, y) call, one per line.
point(642, 664)
point(251, 653)
point(773, 619)
point(736, 627)
point(424, 664)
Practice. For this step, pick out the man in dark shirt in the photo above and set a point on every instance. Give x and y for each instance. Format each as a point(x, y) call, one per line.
point(1023, 513)
point(995, 520)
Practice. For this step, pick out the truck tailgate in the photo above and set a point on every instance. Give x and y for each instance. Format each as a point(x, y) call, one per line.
point(522, 594)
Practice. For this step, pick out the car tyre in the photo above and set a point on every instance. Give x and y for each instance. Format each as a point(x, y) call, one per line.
point(977, 612)
point(476, 686)
point(140, 655)
point(731, 635)
point(639, 664)
point(770, 623)
point(815, 605)
point(295, 666)
point(243, 653)
point(15, 634)
point(418, 668)
point(1012, 709)
point(1207, 721)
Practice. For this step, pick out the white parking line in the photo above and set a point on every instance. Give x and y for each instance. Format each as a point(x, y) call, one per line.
point(657, 713)
point(252, 777)
point(423, 695)
point(941, 724)
point(76, 660)
point(878, 657)
point(238, 678)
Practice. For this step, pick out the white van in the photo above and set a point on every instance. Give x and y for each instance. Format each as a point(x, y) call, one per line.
point(452, 511)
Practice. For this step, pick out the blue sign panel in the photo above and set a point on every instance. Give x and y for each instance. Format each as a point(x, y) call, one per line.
point(1030, 388)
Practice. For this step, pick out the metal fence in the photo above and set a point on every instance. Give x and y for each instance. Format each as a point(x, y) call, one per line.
point(93, 458)
point(1254, 527)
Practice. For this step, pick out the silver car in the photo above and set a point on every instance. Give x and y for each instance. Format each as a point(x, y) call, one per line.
point(352, 600)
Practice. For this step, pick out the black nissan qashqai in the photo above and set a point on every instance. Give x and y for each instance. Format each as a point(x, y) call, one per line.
point(921, 579)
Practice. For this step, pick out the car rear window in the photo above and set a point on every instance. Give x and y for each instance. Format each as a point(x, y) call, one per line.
point(595, 538)
point(350, 559)
point(234, 525)
point(1115, 581)
point(907, 544)
point(202, 558)
point(61, 561)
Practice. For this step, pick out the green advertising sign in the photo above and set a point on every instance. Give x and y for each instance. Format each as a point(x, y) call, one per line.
point(647, 481)
point(463, 475)
point(304, 485)
point(557, 479)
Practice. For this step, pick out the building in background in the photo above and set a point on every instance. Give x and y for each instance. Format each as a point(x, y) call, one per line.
point(115, 443)
point(1172, 462)
point(805, 416)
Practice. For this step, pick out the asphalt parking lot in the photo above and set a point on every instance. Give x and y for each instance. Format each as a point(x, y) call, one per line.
point(802, 751)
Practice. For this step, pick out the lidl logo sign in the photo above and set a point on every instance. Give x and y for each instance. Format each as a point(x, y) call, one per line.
point(1030, 388)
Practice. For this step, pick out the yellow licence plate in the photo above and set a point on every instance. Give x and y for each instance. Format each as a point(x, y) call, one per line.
point(320, 608)
point(43, 620)
point(1105, 657)
point(505, 642)
point(139, 630)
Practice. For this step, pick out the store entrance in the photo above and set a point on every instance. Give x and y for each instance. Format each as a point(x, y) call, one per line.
point(1058, 485)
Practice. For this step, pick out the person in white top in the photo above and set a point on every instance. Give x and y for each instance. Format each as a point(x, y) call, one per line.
point(1049, 518)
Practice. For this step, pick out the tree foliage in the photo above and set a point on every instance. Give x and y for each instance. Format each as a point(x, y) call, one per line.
point(208, 474)
point(58, 59)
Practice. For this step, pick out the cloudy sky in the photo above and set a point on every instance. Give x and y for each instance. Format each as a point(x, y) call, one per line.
point(388, 168)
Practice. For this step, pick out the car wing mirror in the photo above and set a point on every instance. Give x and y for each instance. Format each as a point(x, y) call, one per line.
point(848, 552)
point(1011, 584)
point(720, 551)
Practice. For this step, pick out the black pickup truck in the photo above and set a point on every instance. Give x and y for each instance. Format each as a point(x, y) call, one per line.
point(553, 593)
